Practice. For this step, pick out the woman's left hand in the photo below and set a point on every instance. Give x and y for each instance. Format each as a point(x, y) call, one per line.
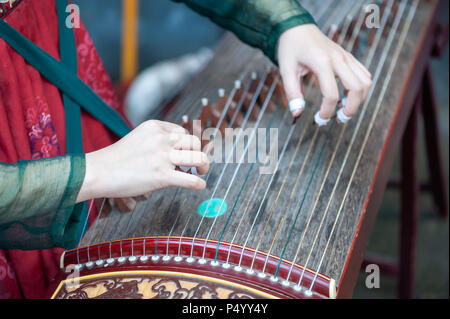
point(305, 49)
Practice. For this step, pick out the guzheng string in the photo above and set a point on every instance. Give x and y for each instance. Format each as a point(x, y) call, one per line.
point(293, 192)
point(272, 178)
point(251, 167)
point(300, 174)
point(276, 169)
point(255, 186)
point(310, 216)
point(364, 109)
point(298, 178)
point(368, 63)
point(383, 59)
point(266, 103)
point(221, 119)
point(394, 60)
point(84, 229)
point(238, 109)
point(225, 112)
point(258, 91)
point(243, 186)
point(219, 209)
point(376, 77)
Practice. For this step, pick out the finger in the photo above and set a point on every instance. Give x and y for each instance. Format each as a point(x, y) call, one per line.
point(360, 65)
point(363, 75)
point(125, 205)
point(354, 86)
point(180, 179)
point(330, 93)
point(208, 148)
point(143, 198)
point(185, 142)
point(147, 196)
point(172, 128)
point(292, 87)
point(190, 159)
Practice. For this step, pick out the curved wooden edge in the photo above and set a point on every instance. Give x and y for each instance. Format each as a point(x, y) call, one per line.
point(373, 201)
point(259, 293)
point(219, 260)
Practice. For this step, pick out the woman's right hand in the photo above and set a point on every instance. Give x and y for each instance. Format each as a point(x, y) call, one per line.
point(144, 161)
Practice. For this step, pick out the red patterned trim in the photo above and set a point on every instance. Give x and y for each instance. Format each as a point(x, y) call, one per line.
point(165, 246)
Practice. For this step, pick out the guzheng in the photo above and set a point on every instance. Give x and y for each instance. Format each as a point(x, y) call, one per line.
point(299, 232)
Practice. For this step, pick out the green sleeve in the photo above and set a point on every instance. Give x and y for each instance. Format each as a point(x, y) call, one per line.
point(37, 201)
point(258, 23)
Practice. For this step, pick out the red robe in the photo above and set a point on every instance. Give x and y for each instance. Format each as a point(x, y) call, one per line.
point(32, 126)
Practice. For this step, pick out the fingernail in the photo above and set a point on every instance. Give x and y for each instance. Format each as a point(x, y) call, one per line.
point(342, 117)
point(320, 121)
point(132, 205)
point(296, 106)
point(297, 114)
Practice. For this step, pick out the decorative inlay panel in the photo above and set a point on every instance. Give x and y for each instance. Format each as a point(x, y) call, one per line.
point(153, 285)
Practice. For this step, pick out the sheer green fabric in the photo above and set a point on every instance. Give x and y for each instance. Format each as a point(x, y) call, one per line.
point(36, 202)
point(258, 23)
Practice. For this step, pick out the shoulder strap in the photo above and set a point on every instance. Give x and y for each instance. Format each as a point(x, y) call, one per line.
point(63, 77)
point(74, 137)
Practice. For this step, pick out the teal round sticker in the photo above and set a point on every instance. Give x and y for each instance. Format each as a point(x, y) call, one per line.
point(212, 208)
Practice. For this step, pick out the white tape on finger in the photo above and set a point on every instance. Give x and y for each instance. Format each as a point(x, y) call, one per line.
point(342, 117)
point(320, 121)
point(296, 105)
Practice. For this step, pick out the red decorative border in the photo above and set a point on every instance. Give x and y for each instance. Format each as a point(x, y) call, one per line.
point(163, 246)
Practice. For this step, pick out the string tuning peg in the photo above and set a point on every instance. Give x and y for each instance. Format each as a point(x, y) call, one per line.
point(236, 118)
point(248, 100)
point(205, 114)
point(224, 104)
point(205, 121)
point(218, 119)
point(186, 123)
point(279, 89)
point(334, 28)
point(264, 96)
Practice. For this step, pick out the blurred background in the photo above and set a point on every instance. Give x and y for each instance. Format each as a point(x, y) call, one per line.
point(168, 30)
